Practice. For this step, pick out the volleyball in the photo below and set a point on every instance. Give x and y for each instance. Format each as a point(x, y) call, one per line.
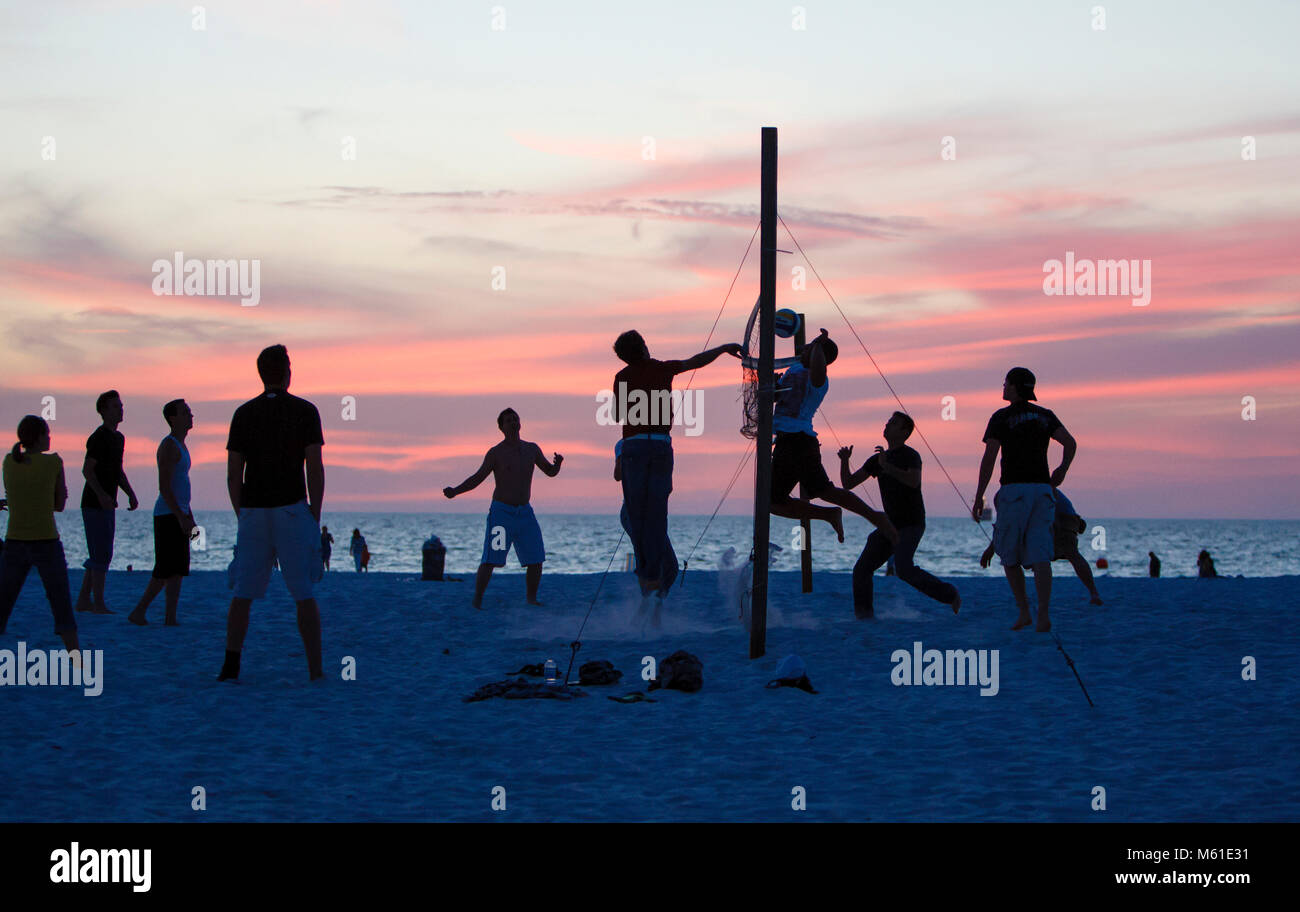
point(787, 323)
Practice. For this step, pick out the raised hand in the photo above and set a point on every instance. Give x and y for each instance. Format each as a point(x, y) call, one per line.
point(846, 452)
point(449, 493)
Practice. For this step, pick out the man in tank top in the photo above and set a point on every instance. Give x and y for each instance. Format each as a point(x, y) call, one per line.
point(172, 520)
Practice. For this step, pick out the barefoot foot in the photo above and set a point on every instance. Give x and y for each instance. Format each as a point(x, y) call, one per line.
point(1096, 600)
point(837, 523)
point(137, 619)
point(1023, 621)
point(1044, 625)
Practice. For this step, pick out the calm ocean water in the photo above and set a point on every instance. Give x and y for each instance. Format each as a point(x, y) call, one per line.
point(583, 543)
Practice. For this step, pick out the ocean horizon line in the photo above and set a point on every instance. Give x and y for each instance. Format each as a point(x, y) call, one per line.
point(673, 515)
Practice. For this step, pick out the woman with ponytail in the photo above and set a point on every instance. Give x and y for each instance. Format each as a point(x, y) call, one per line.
point(36, 490)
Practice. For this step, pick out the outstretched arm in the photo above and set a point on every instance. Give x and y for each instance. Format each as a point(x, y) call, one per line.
point(705, 358)
point(848, 478)
point(474, 480)
point(547, 468)
point(986, 475)
point(817, 361)
point(1062, 436)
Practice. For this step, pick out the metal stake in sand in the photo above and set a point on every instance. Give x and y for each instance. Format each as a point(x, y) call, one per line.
point(1069, 661)
point(577, 641)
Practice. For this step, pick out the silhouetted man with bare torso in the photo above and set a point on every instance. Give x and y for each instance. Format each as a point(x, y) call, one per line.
point(510, 520)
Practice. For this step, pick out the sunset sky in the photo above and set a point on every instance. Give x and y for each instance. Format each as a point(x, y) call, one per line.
point(129, 135)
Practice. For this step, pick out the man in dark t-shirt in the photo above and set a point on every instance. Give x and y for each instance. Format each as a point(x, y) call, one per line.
point(642, 404)
point(898, 469)
point(104, 475)
point(1025, 505)
point(273, 439)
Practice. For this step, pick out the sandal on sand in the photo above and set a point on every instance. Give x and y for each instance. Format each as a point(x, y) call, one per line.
point(635, 697)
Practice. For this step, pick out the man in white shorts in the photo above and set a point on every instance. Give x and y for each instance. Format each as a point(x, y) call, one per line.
point(510, 520)
point(272, 439)
point(1022, 532)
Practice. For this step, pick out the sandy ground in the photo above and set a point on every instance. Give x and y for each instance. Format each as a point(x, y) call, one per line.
point(1176, 734)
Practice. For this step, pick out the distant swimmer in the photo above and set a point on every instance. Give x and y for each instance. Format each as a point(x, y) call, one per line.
point(273, 440)
point(642, 404)
point(1022, 535)
point(35, 489)
point(1067, 525)
point(1153, 568)
point(898, 469)
point(510, 519)
point(172, 520)
point(796, 453)
point(1205, 566)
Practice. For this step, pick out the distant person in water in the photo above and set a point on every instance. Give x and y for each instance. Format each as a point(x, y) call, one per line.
point(1026, 507)
point(1205, 566)
point(172, 520)
point(326, 545)
point(1153, 568)
point(1067, 526)
point(357, 548)
point(796, 453)
point(35, 489)
point(273, 439)
point(898, 469)
point(104, 474)
point(510, 519)
point(643, 405)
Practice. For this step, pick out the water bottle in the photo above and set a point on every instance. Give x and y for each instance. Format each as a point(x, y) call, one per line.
point(551, 679)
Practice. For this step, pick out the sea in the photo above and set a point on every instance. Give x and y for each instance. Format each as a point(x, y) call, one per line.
point(592, 543)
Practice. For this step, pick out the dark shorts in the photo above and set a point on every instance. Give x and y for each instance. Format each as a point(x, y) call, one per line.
point(100, 526)
point(797, 460)
point(171, 548)
point(1064, 541)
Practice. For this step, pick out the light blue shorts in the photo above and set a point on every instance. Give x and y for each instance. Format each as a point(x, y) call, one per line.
point(506, 526)
point(1022, 532)
point(288, 534)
